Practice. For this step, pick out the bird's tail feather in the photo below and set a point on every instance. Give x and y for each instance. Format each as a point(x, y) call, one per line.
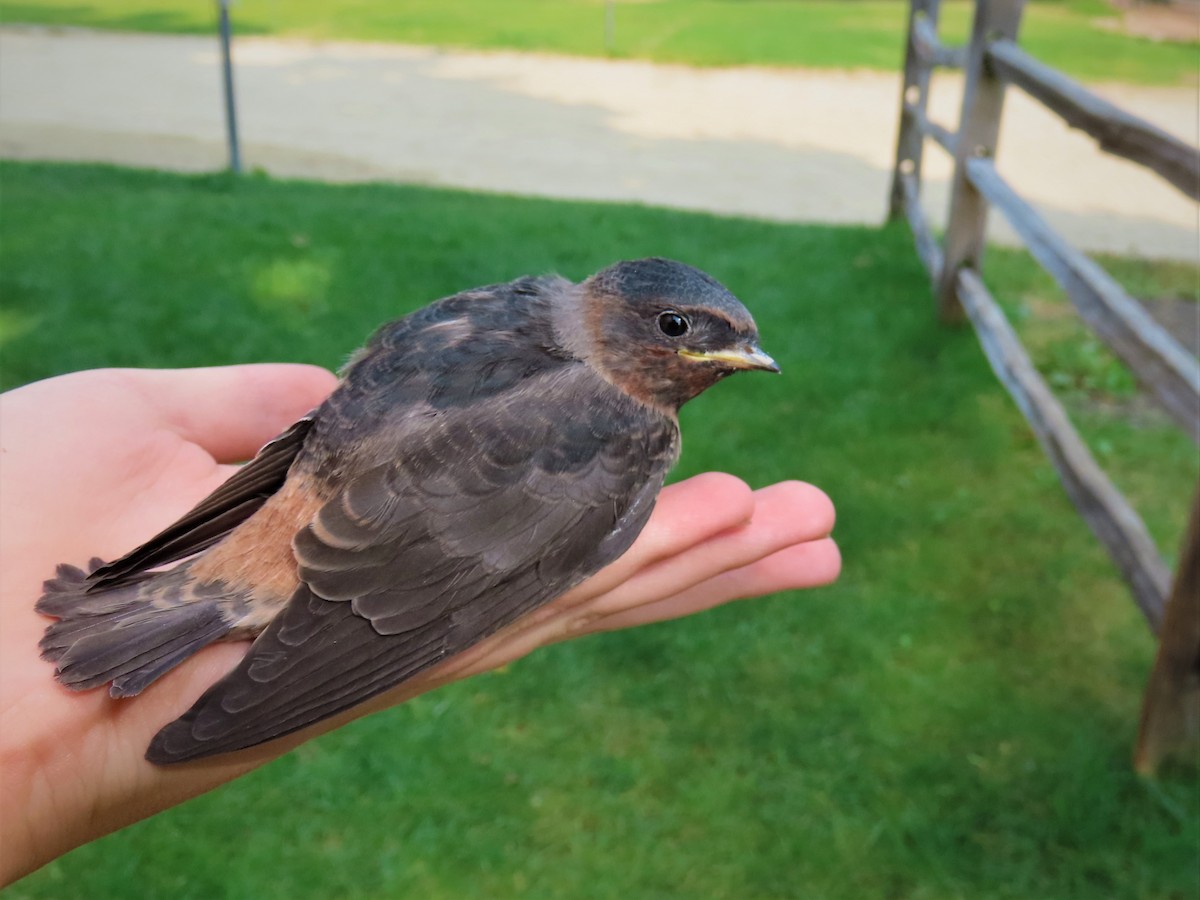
point(120, 635)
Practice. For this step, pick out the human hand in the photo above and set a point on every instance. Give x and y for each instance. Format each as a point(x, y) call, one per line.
point(94, 463)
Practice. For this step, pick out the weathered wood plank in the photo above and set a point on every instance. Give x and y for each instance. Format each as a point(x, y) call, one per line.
point(1117, 131)
point(914, 94)
point(978, 129)
point(1102, 506)
point(1171, 709)
point(928, 248)
point(930, 48)
point(946, 138)
point(1157, 360)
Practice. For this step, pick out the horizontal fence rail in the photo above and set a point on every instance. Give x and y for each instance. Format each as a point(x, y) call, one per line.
point(931, 50)
point(1106, 511)
point(1117, 131)
point(1158, 361)
point(946, 139)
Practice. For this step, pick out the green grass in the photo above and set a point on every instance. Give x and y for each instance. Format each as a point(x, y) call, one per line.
point(1098, 391)
point(821, 33)
point(953, 719)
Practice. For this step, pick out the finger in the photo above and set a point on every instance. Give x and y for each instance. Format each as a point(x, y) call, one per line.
point(785, 514)
point(687, 513)
point(231, 411)
point(808, 565)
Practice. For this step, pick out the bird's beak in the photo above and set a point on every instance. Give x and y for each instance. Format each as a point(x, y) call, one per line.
point(748, 357)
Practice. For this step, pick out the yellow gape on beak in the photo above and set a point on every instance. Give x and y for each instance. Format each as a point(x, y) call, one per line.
point(750, 357)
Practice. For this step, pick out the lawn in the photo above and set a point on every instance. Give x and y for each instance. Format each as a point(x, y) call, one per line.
point(1070, 34)
point(953, 719)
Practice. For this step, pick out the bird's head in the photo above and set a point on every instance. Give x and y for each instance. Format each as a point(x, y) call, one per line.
point(664, 331)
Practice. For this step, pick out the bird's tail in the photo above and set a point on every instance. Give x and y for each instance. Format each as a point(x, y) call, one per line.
point(129, 634)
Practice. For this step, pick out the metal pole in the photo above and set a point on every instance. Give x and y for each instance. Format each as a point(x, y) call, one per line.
point(610, 26)
point(235, 155)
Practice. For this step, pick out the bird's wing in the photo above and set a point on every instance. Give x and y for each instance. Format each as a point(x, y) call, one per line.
point(214, 516)
point(490, 513)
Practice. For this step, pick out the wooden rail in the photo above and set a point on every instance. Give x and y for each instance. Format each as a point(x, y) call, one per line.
point(928, 248)
point(992, 60)
point(931, 50)
point(1117, 131)
point(1158, 360)
point(1102, 505)
point(946, 138)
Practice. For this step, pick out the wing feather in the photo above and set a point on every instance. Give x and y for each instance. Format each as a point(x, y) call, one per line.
point(215, 516)
point(434, 549)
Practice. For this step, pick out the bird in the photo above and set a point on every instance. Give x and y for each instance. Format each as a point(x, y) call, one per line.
point(478, 458)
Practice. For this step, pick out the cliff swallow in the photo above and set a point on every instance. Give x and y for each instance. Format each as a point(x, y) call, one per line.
point(479, 458)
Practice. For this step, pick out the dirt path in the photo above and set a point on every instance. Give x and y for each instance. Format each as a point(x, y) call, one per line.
point(780, 144)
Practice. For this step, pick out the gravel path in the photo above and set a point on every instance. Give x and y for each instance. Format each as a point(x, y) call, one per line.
point(779, 144)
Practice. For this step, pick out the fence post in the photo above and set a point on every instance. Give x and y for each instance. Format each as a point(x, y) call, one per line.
point(1171, 708)
point(914, 97)
point(231, 132)
point(979, 126)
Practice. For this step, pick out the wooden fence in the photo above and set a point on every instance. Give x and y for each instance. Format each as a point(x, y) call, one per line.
point(992, 60)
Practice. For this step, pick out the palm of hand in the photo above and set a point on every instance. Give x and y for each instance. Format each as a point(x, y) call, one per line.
point(97, 462)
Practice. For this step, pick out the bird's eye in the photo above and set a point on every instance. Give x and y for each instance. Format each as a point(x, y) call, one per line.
point(672, 324)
